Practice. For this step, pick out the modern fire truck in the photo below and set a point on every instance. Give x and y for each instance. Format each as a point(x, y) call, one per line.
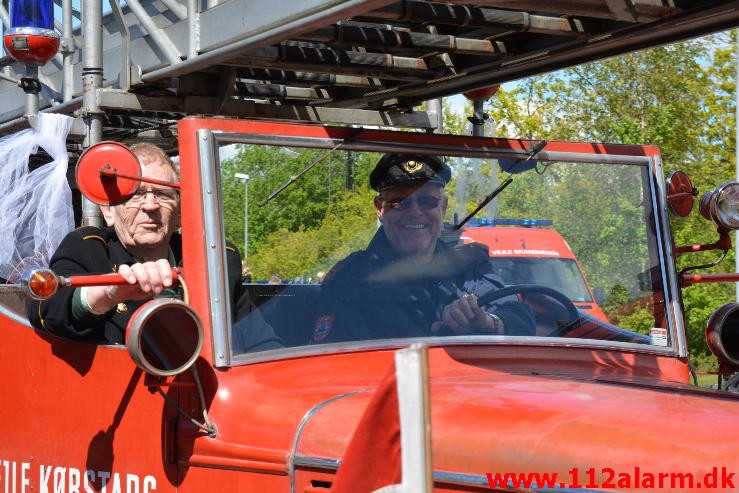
point(525, 252)
point(582, 404)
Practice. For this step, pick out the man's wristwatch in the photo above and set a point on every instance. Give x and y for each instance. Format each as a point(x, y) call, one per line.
point(498, 324)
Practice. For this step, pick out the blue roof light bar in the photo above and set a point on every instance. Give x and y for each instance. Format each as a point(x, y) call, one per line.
point(497, 221)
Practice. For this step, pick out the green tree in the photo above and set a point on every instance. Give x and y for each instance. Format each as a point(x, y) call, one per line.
point(297, 228)
point(306, 251)
point(679, 97)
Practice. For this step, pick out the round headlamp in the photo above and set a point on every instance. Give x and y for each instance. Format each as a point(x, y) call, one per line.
point(722, 205)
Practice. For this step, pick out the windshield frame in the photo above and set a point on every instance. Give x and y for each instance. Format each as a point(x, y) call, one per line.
point(328, 138)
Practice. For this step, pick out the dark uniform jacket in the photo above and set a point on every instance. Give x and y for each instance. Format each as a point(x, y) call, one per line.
point(90, 250)
point(377, 293)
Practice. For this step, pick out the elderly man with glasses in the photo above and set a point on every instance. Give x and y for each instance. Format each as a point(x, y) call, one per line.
point(408, 283)
point(141, 243)
point(138, 244)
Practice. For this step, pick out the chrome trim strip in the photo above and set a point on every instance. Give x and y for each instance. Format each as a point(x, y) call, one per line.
point(14, 316)
point(452, 478)
point(358, 144)
point(671, 280)
point(292, 460)
point(460, 479)
point(449, 341)
point(10, 313)
point(317, 462)
point(215, 241)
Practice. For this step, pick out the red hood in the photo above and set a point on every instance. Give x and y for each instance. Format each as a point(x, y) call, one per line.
point(487, 422)
point(494, 409)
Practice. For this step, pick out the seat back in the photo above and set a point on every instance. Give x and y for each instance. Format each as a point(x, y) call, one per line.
point(289, 308)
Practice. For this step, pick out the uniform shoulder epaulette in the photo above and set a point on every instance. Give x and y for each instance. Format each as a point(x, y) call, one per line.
point(92, 233)
point(96, 237)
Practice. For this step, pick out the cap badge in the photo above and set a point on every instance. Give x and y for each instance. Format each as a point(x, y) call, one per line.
point(411, 166)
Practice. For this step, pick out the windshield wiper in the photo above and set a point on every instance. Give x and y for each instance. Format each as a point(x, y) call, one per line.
point(532, 152)
point(353, 134)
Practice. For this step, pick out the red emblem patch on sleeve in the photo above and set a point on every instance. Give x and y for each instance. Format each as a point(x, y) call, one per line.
point(323, 327)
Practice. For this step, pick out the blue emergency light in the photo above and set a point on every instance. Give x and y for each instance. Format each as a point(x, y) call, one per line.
point(36, 13)
point(31, 37)
point(498, 221)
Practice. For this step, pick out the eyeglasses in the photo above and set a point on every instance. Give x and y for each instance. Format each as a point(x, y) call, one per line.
point(425, 202)
point(166, 198)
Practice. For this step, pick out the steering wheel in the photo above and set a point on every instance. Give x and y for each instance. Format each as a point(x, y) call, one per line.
point(572, 314)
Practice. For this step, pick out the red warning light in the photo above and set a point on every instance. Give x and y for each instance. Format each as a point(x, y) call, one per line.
point(482, 93)
point(31, 45)
point(30, 37)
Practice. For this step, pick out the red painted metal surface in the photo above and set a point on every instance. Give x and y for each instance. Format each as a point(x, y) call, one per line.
point(70, 408)
point(688, 279)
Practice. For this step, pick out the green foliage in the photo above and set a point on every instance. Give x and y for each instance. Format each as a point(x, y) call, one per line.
point(700, 301)
point(296, 219)
point(680, 97)
point(305, 252)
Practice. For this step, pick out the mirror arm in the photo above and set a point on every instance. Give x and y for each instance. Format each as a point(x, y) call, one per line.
point(108, 172)
point(690, 279)
point(681, 195)
point(206, 424)
point(723, 243)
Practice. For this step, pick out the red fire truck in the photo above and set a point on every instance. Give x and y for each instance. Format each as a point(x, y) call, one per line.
point(582, 404)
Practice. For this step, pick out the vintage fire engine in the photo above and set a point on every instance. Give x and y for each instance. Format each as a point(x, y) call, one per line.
point(582, 404)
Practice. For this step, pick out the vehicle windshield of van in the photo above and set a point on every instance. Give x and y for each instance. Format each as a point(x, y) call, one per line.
point(333, 261)
point(560, 273)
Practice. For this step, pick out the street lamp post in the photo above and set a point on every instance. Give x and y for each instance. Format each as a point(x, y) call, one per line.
point(245, 178)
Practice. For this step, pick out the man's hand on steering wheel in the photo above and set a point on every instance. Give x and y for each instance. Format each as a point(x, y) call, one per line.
point(465, 316)
point(561, 327)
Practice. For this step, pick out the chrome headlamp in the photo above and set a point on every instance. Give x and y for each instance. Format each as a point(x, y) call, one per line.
point(722, 205)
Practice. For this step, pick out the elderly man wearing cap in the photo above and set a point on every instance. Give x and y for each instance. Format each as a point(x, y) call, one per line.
point(407, 283)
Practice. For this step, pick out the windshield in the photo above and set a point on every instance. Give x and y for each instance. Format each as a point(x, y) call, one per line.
point(328, 259)
point(559, 273)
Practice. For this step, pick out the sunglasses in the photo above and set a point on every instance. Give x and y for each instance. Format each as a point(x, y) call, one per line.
point(425, 202)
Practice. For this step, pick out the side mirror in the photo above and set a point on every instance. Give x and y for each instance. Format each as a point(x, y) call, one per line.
point(599, 295)
point(680, 193)
point(722, 335)
point(164, 337)
point(109, 173)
